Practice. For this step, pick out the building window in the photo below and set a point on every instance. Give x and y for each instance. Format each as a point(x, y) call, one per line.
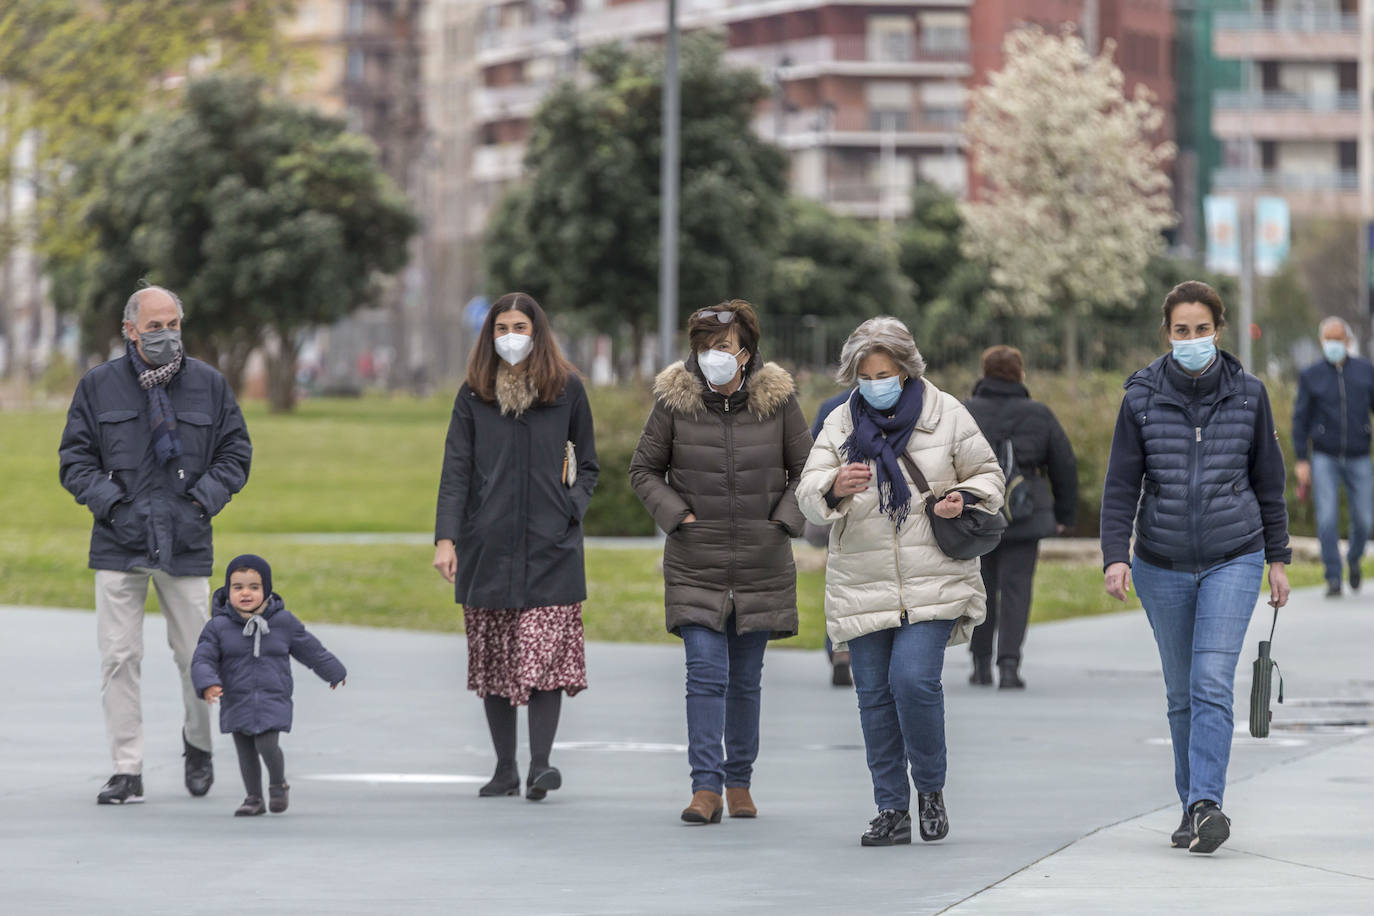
point(943, 104)
point(889, 105)
point(891, 38)
point(357, 66)
point(357, 15)
point(944, 33)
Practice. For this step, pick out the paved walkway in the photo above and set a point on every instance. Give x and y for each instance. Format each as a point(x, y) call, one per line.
point(1060, 797)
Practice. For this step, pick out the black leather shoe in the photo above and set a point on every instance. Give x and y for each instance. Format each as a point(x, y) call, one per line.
point(1333, 588)
point(889, 828)
point(1008, 678)
point(1184, 834)
point(506, 781)
point(1356, 577)
point(200, 772)
point(121, 789)
point(982, 671)
point(541, 782)
point(934, 819)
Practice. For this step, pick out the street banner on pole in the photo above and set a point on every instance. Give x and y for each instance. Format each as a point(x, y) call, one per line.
point(1271, 235)
point(1223, 234)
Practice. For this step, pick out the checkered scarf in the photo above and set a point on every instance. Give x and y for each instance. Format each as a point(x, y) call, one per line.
point(166, 442)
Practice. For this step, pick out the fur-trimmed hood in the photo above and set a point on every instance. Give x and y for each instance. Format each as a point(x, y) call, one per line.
point(514, 391)
point(681, 389)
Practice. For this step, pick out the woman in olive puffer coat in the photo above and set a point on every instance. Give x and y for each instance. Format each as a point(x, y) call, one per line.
point(717, 467)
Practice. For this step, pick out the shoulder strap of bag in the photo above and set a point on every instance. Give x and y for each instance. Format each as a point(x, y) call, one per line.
point(916, 476)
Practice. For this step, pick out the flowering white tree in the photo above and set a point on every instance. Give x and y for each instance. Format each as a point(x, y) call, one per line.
point(1073, 194)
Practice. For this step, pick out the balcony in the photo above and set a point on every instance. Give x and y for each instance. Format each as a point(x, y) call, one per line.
point(499, 162)
point(811, 127)
point(1286, 115)
point(1307, 36)
point(1334, 193)
point(852, 55)
point(867, 200)
point(501, 102)
point(647, 18)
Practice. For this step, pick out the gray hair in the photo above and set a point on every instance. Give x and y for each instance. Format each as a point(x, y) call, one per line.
point(881, 335)
point(131, 307)
point(1334, 319)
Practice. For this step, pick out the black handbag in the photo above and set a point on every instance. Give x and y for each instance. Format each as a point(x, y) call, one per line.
point(967, 537)
point(1262, 684)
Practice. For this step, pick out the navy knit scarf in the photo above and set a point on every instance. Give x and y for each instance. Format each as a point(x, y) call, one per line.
point(161, 418)
point(882, 439)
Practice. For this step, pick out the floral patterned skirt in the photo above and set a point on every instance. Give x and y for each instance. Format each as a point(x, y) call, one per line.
point(513, 651)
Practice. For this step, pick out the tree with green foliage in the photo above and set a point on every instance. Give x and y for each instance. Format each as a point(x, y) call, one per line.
point(834, 268)
point(266, 217)
point(1075, 194)
point(582, 232)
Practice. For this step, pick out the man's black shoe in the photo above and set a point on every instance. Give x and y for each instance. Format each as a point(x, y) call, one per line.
point(1211, 828)
point(1184, 834)
point(200, 773)
point(934, 819)
point(1355, 577)
point(1333, 588)
point(122, 789)
point(889, 828)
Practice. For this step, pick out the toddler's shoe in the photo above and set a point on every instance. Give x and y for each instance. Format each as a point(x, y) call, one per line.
point(278, 798)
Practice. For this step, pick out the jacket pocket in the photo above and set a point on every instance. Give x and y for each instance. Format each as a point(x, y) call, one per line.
point(190, 526)
point(123, 439)
point(129, 523)
point(193, 428)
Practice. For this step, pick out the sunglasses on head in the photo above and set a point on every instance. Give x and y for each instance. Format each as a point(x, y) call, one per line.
point(720, 315)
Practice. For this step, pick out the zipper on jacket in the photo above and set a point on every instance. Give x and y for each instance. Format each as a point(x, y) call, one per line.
point(730, 489)
point(897, 551)
point(1340, 383)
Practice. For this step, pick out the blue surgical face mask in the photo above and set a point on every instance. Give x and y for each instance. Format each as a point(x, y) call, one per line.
point(1334, 351)
point(1195, 354)
point(881, 393)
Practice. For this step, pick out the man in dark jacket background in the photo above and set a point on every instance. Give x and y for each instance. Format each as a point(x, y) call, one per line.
point(154, 446)
point(1335, 397)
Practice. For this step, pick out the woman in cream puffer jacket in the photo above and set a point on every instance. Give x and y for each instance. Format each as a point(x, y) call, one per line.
point(890, 592)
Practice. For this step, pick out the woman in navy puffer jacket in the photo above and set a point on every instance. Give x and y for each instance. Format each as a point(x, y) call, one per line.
point(244, 659)
point(1196, 470)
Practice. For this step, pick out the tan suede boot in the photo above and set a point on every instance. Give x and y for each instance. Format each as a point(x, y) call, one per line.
point(740, 804)
point(706, 808)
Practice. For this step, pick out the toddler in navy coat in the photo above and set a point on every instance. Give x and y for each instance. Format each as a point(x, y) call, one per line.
point(244, 661)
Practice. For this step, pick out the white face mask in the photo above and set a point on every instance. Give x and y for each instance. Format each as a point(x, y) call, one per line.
point(513, 348)
point(718, 366)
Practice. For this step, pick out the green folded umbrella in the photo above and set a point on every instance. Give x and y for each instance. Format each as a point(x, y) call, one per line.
point(1261, 686)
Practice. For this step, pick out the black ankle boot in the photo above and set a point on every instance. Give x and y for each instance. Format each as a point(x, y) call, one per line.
point(542, 780)
point(1008, 679)
point(506, 781)
point(982, 671)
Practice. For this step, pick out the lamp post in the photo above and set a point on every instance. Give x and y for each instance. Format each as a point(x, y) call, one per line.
point(668, 183)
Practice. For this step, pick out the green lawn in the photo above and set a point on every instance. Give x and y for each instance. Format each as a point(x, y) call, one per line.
point(372, 465)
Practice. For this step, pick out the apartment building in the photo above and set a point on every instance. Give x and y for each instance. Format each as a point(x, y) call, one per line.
point(867, 95)
point(1292, 130)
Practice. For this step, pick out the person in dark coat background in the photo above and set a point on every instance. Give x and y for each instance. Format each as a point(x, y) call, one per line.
point(1044, 456)
point(519, 469)
point(717, 467)
point(1197, 474)
point(155, 447)
point(1331, 438)
point(243, 661)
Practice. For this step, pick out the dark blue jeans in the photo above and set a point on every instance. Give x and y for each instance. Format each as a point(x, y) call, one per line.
point(1329, 474)
point(902, 707)
point(1200, 621)
point(724, 671)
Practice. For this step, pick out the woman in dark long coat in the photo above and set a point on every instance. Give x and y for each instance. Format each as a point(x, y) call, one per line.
point(717, 467)
point(519, 470)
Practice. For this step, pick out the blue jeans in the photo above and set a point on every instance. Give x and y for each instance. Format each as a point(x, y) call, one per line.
point(1200, 621)
point(902, 707)
point(1329, 473)
point(724, 671)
